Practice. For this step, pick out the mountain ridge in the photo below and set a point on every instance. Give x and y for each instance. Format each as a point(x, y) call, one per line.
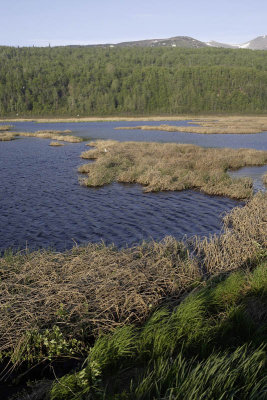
point(258, 43)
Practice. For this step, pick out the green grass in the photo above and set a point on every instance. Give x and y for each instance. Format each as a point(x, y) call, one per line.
point(212, 346)
point(149, 322)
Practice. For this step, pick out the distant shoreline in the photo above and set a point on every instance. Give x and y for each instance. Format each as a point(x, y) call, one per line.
point(133, 119)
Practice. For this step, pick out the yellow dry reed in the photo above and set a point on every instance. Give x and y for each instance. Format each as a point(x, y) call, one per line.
point(222, 125)
point(171, 166)
point(7, 136)
point(50, 134)
point(93, 289)
point(4, 128)
point(56, 144)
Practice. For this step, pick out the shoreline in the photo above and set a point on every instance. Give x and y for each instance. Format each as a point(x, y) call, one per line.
point(69, 308)
point(185, 117)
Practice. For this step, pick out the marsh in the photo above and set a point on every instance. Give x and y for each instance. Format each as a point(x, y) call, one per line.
point(43, 205)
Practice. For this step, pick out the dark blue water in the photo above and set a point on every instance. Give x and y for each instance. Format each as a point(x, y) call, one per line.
point(105, 130)
point(43, 205)
point(255, 173)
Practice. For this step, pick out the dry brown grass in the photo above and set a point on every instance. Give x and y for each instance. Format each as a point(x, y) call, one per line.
point(232, 125)
point(50, 134)
point(264, 178)
point(113, 119)
point(95, 288)
point(101, 119)
point(53, 131)
point(205, 124)
point(5, 128)
point(56, 144)
point(44, 134)
point(245, 233)
point(195, 118)
point(170, 166)
point(7, 136)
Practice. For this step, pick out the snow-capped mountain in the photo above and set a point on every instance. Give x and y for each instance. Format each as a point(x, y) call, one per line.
point(212, 43)
point(177, 41)
point(259, 43)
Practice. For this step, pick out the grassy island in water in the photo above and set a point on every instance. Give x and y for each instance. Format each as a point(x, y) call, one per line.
point(213, 125)
point(44, 134)
point(171, 166)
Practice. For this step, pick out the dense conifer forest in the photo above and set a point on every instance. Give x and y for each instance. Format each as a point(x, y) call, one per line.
point(131, 81)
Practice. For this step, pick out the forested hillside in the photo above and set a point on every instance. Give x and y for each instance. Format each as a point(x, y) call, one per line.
point(98, 81)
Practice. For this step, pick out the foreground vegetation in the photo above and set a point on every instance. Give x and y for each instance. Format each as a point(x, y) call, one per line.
point(234, 125)
point(212, 346)
point(126, 320)
point(88, 81)
point(171, 166)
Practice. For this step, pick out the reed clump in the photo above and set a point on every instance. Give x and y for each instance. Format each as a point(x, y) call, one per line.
point(211, 346)
point(91, 290)
point(171, 166)
point(50, 134)
point(53, 131)
point(62, 136)
point(264, 178)
point(7, 136)
point(221, 125)
point(245, 230)
point(56, 144)
point(4, 128)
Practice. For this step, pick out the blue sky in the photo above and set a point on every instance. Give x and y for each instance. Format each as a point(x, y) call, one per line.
point(62, 22)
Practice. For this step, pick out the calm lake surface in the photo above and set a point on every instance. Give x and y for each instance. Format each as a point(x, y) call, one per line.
point(105, 130)
point(43, 205)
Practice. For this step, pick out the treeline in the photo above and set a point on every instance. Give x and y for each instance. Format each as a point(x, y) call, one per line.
point(109, 81)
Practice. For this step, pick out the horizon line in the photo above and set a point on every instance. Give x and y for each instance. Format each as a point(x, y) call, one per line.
point(63, 43)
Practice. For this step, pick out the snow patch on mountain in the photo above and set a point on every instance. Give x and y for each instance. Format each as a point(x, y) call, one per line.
point(244, 46)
